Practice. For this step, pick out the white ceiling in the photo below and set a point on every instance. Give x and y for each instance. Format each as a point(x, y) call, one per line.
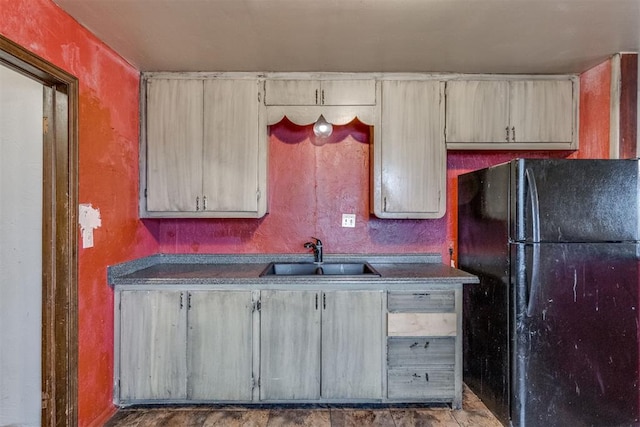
point(468, 36)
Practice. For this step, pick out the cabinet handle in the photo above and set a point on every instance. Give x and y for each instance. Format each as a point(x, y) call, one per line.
point(316, 96)
point(415, 344)
point(513, 134)
point(507, 134)
point(316, 301)
point(204, 203)
point(322, 96)
point(324, 301)
point(426, 376)
point(189, 301)
point(384, 207)
point(197, 203)
point(181, 304)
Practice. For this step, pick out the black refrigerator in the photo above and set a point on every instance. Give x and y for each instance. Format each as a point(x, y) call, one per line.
point(550, 335)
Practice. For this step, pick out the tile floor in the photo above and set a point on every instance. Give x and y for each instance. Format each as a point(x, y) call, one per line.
point(472, 414)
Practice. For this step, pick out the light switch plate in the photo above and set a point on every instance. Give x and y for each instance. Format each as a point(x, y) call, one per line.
point(349, 220)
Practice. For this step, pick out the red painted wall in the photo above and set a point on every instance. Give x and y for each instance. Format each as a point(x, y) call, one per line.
point(595, 112)
point(310, 187)
point(108, 177)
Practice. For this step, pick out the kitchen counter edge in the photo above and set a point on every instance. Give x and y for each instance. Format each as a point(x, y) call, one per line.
point(229, 270)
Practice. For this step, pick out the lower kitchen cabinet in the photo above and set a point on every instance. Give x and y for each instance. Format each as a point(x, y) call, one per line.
point(421, 367)
point(152, 346)
point(424, 347)
point(320, 345)
point(352, 345)
point(179, 345)
point(289, 345)
point(286, 345)
point(220, 345)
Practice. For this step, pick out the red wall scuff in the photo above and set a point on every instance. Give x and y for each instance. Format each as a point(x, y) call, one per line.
point(309, 186)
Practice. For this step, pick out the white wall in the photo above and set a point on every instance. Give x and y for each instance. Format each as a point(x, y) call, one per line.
point(20, 248)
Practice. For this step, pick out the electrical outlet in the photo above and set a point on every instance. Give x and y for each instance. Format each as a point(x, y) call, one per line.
point(349, 220)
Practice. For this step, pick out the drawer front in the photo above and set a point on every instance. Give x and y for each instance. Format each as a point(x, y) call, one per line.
point(422, 324)
point(420, 351)
point(421, 302)
point(421, 383)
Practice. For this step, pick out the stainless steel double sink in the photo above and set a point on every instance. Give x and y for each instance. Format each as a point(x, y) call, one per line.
point(325, 268)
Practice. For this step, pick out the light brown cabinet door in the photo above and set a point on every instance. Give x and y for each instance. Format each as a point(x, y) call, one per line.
point(352, 345)
point(410, 154)
point(511, 114)
point(289, 345)
point(233, 150)
point(348, 92)
point(219, 339)
point(174, 144)
point(477, 111)
point(542, 111)
point(292, 92)
point(320, 92)
point(152, 346)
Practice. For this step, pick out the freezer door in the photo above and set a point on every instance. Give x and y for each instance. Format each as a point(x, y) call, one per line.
point(559, 200)
point(575, 343)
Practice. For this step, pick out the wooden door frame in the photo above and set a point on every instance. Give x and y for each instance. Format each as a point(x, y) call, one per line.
point(59, 233)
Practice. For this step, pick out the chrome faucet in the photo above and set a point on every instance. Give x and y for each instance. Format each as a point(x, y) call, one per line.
point(317, 250)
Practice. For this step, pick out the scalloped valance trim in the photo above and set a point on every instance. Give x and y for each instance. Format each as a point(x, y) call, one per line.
point(306, 115)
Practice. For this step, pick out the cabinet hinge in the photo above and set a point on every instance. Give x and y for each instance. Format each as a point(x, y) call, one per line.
point(258, 195)
point(45, 400)
point(145, 193)
point(45, 125)
point(257, 306)
point(259, 97)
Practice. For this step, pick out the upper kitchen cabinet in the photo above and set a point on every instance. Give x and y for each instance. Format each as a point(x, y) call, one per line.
point(409, 153)
point(536, 114)
point(204, 149)
point(320, 92)
point(173, 146)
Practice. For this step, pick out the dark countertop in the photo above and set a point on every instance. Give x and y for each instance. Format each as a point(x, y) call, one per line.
point(235, 270)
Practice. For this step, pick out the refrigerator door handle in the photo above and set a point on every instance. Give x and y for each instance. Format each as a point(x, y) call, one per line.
point(535, 224)
point(535, 205)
